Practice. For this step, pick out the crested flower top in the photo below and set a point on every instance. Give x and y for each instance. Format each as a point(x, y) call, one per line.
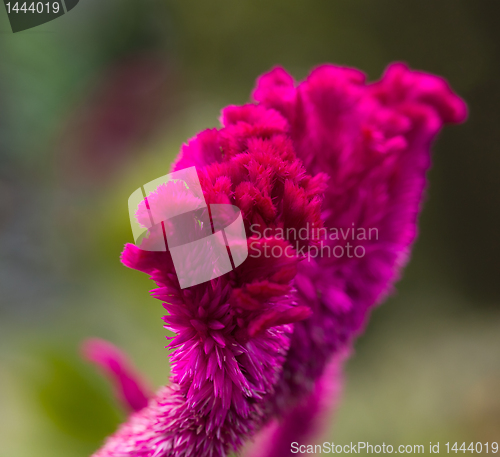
point(250, 345)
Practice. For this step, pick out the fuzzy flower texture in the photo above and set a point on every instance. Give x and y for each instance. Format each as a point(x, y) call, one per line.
point(257, 352)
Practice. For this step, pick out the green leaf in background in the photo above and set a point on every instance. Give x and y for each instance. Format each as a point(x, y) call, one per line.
point(76, 404)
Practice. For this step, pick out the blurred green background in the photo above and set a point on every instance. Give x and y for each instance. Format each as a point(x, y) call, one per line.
point(97, 102)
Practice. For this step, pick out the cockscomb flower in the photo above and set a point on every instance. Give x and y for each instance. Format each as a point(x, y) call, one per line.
point(259, 346)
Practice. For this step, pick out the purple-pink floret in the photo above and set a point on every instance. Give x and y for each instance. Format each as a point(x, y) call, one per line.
point(254, 346)
point(131, 390)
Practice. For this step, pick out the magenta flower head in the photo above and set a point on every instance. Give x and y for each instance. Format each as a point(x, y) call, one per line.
point(327, 178)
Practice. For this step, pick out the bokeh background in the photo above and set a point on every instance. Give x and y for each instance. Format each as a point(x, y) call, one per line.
point(98, 102)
